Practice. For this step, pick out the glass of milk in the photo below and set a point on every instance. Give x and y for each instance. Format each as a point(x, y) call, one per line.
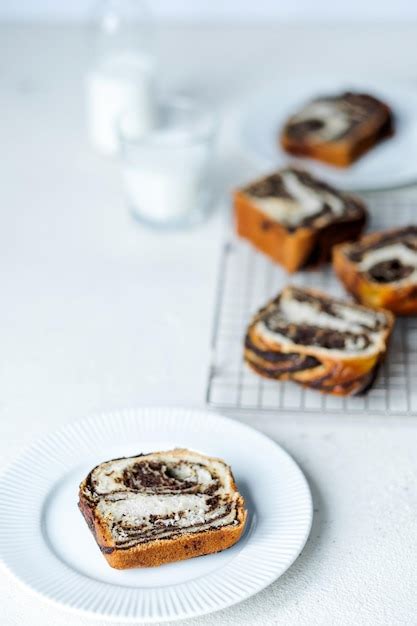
point(167, 171)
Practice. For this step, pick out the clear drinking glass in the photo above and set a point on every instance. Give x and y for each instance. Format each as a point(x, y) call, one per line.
point(168, 171)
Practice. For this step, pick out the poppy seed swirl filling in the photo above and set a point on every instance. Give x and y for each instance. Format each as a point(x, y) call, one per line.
point(144, 500)
point(331, 118)
point(295, 199)
point(393, 258)
point(296, 318)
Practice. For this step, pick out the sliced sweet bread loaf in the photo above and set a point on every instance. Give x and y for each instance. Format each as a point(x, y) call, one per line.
point(295, 218)
point(318, 341)
point(337, 129)
point(380, 269)
point(166, 506)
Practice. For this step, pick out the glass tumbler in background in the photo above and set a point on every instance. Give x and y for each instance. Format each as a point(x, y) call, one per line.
point(168, 171)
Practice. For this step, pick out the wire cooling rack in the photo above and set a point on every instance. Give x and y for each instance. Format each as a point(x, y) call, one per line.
point(247, 279)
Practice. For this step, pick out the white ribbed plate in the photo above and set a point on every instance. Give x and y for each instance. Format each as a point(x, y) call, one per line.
point(46, 544)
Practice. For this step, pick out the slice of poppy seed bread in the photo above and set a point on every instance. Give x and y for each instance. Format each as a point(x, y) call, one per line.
point(318, 341)
point(157, 508)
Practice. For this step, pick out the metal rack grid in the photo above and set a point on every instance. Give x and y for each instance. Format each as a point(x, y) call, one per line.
point(247, 279)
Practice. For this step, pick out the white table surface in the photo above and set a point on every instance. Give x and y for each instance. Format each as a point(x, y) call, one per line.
point(97, 313)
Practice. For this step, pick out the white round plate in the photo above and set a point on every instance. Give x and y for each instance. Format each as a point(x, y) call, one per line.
point(391, 163)
point(46, 544)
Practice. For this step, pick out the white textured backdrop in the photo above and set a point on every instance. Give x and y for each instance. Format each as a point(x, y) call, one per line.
point(245, 10)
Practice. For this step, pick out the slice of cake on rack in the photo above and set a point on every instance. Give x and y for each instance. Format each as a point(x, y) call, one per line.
point(337, 129)
point(380, 270)
point(321, 342)
point(296, 219)
point(166, 506)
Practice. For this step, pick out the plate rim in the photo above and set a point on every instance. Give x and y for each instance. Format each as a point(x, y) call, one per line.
point(139, 413)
